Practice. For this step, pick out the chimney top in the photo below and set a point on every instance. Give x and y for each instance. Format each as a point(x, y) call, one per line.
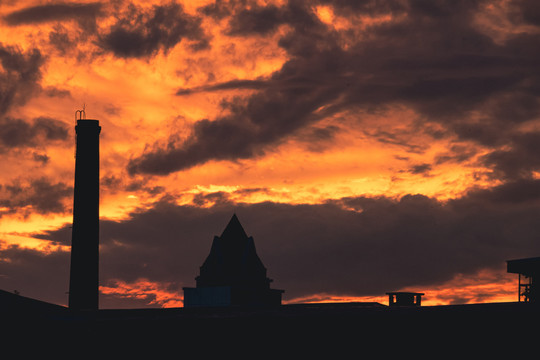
point(87, 122)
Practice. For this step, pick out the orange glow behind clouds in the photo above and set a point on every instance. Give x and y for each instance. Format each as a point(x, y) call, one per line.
point(137, 107)
point(143, 289)
point(483, 287)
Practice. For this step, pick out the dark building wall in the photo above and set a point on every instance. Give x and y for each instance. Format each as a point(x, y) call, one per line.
point(84, 273)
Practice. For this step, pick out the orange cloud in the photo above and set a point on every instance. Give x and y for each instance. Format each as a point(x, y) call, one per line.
point(151, 293)
point(483, 287)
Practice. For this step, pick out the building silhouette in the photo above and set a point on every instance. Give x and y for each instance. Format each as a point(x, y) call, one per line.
point(232, 274)
point(529, 275)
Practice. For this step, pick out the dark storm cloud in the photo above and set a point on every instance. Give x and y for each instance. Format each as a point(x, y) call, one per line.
point(139, 33)
point(17, 133)
point(36, 195)
point(421, 169)
point(52, 12)
point(285, 104)
point(434, 60)
point(228, 85)
point(256, 20)
point(457, 154)
point(519, 161)
point(61, 40)
point(20, 73)
point(520, 192)
point(51, 91)
point(35, 274)
point(113, 183)
point(527, 11)
point(42, 158)
point(218, 198)
point(218, 9)
point(351, 246)
point(318, 138)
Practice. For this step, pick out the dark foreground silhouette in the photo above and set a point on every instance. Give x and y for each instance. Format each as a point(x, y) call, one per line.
point(330, 330)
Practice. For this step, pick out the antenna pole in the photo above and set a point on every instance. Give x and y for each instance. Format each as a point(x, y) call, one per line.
point(81, 113)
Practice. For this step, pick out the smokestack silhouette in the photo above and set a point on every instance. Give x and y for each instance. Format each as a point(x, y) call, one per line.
point(84, 272)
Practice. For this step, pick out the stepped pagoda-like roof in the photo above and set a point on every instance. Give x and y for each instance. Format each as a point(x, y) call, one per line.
point(233, 260)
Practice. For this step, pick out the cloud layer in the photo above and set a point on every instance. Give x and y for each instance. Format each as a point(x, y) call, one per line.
point(39, 196)
point(17, 133)
point(139, 33)
point(20, 74)
point(355, 246)
point(453, 73)
point(52, 12)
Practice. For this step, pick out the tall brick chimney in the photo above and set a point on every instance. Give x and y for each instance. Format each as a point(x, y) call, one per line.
point(84, 272)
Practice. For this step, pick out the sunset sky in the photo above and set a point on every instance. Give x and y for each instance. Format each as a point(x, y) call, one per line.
point(367, 146)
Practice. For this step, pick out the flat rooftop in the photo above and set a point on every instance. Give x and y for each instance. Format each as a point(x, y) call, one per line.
point(527, 266)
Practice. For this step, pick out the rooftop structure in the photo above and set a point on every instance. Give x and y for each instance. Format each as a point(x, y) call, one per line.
point(403, 298)
point(232, 274)
point(529, 274)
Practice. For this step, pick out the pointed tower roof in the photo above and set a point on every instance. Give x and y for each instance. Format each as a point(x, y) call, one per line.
point(232, 259)
point(234, 230)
